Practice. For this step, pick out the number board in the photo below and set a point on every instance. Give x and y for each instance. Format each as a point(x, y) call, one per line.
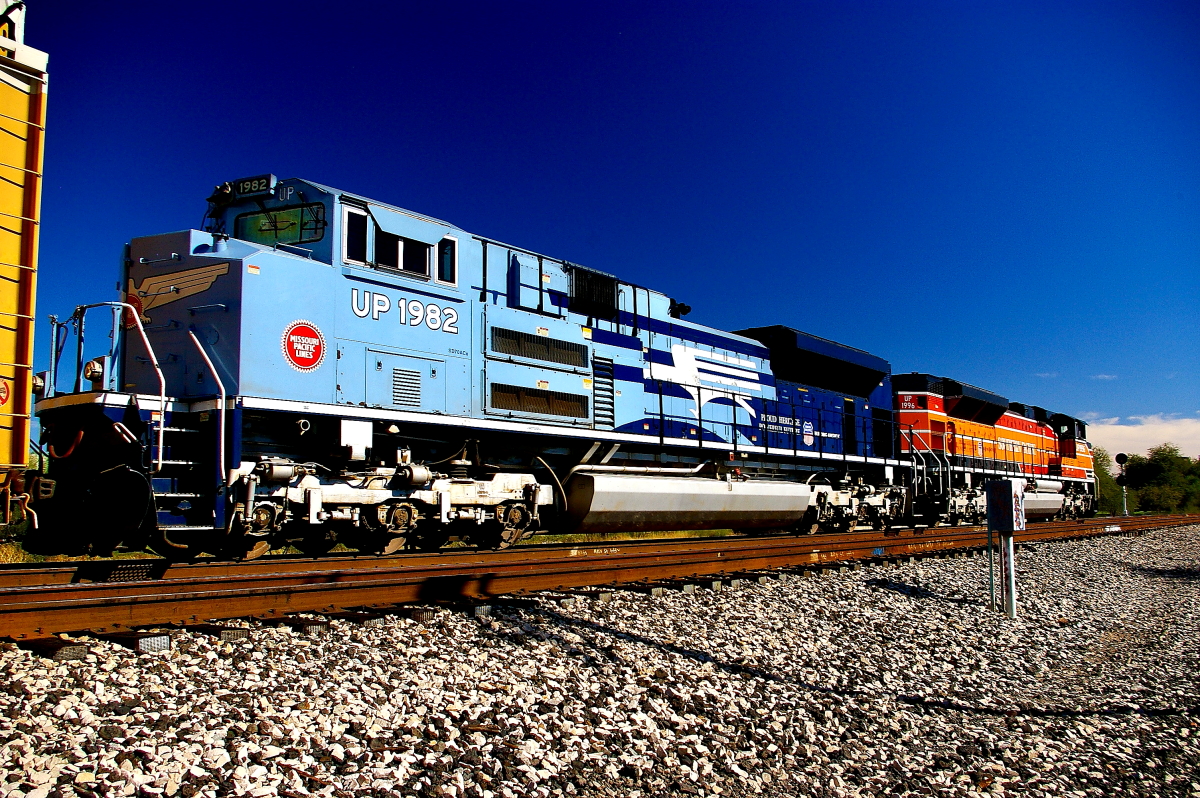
point(253, 186)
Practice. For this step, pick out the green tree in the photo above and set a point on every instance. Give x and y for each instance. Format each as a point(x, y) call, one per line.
point(1164, 480)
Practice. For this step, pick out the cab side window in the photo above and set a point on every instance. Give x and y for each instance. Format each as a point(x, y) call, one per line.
point(415, 258)
point(366, 243)
point(356, 236)
point(447, 261)
point(387, 250)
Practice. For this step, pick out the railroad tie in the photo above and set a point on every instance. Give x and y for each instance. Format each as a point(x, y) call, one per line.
point(223, 633)
point(141, 642)
point(55, 648)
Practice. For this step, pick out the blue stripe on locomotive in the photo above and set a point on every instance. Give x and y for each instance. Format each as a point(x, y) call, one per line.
point(396, 341)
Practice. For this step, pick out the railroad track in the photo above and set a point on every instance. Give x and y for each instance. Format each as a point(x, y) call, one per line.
point(120, 595)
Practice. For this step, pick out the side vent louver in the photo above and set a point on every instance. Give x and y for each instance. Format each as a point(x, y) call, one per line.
point(535, 400)
point(603, 399)
point(406, 388)
point(538, 347)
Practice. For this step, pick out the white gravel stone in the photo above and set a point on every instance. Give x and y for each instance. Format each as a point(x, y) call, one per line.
point(877, 682)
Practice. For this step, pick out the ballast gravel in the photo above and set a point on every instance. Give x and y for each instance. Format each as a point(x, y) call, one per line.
point(885, 681)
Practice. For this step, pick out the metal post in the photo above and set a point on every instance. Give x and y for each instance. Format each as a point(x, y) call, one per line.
point(1008, 572)
point(52, 371)
point(78, 387)
point(991, 572)
point(1121, 459)
point(1006, 515)
point(1124, 494)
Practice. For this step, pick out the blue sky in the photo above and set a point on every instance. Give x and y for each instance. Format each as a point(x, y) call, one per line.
point(1006, 194)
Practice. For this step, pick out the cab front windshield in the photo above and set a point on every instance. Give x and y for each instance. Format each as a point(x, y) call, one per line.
point(298, 224)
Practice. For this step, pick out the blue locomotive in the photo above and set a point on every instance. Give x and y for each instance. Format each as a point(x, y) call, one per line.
point(316, 367)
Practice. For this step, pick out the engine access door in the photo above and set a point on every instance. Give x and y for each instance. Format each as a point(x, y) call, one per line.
point(419, 384)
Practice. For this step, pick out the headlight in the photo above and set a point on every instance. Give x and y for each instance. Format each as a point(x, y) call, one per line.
point(93, 370)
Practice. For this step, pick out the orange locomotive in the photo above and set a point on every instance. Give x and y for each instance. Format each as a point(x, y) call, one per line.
point(959, 436)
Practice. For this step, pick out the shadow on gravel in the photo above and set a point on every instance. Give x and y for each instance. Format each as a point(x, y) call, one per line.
point(582, 628)
point(1191, 574)
point(1033, 712)
point(916, 591)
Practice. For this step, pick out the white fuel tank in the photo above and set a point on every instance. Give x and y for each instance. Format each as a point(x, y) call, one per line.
point(620, 502)
point(1042, 505)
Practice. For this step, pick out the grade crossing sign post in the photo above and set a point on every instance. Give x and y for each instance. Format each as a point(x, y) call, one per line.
point(1006, 516)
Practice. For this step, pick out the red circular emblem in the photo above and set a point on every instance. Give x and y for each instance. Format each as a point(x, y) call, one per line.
point(303, 346)
point(4, 392)
point(128, 319)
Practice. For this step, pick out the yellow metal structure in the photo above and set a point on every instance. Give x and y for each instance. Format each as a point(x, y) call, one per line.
point(22, 137)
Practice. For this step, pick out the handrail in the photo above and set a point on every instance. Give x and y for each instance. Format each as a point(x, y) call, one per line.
point(220, 408)
point(639, 469)
point(162, 381)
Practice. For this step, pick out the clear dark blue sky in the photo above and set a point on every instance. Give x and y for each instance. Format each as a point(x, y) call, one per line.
point(1007, 194)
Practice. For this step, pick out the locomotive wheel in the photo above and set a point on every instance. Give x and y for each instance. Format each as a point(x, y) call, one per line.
point(122, 506)
point(245, 547)
point(808, 525)
point(176, 547)
point(841, 526)
point(508, 527)
point(515, 521)
point(397, 543)
point(314, 543)
point(387, 528)
point(430, 536)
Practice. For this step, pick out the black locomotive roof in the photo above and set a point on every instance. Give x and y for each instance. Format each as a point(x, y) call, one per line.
point(962, 400)
point(807, 359)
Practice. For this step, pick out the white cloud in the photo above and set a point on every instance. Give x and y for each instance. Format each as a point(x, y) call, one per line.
point(1139, 433)
point(1046, 375)
point(1104, 376)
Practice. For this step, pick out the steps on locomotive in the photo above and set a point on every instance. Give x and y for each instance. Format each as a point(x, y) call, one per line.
point(182, 487)
point(179, 446)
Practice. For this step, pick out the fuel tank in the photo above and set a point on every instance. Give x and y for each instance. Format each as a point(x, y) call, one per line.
point(621, 502)
point(1042, 505)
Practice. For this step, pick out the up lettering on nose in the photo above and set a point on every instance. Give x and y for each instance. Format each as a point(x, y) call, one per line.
point(382, 304)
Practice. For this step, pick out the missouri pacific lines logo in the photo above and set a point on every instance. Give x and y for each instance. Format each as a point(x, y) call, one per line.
point(303, 345)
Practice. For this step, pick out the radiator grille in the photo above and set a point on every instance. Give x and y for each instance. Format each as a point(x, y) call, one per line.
point(603, 398)
point(406, 388)
point(535, 400)
point(593, 293)
point(538, 347)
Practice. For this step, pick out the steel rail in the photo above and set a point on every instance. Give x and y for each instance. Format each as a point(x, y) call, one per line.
point(123, 570)
point(37, 602)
